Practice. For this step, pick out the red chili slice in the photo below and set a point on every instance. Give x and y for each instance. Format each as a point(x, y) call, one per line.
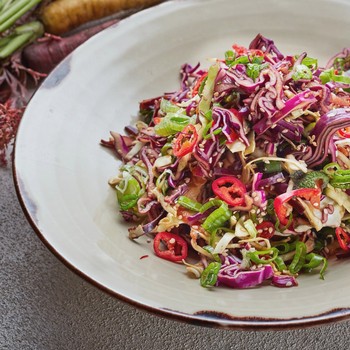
point(345, 132)
point(311, 194)
point(185, 141)
point(240, 50)
point(343, 239)
point(198, 84)
point(234, 135)
point(267, 228)
point(230, 189)
point(176, 248)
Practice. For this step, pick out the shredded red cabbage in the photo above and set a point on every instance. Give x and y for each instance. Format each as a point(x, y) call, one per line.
point(248, 161)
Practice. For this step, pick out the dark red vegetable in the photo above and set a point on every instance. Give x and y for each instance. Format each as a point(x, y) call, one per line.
point(185, 142)
point(9, 121)
point(198, 84)
point(266, 229)
point(343, 239)
point(175, 247)
point(230, 190)
point(345, 132)
point(47, 52)
point(311, 194)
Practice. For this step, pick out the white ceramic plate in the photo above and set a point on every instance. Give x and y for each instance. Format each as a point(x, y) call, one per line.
point(61, 172)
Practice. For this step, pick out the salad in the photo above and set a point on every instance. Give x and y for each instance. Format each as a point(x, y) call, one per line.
point(243, 174)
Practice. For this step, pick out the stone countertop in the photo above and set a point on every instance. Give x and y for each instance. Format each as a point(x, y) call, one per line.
point(45, 306)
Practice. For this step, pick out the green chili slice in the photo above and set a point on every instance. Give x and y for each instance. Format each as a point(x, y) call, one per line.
point(341, 179)
point(314, 261)
point(311, 179)
point(255, 256)
point(210, 274)
point(281, 266)
point(272, 167)
point(331, 168)
point(299, 258)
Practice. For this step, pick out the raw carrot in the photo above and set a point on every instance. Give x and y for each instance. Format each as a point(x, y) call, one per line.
point(61, 16)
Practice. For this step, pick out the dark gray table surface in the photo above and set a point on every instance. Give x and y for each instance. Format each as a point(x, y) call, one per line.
point(43, 305)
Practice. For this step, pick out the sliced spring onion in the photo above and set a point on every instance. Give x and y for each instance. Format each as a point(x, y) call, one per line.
point(208, 90)
point(224, 241)
point(210, 204)
point(189, 203)
point(171, 124)
point(250, 227)
point(217, 218)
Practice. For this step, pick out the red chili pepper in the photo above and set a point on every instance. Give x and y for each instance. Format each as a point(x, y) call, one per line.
point(186, 141)
point(230, 189)
point(267, 228)
point(343, 239)
point(198, 84)
point(234, 135)
point(345, 132)
point(242, 51)
point(311, 194)
point(176, 246)
point(157, 120)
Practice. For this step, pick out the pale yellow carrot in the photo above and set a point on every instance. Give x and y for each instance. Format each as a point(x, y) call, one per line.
point(61, 16)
